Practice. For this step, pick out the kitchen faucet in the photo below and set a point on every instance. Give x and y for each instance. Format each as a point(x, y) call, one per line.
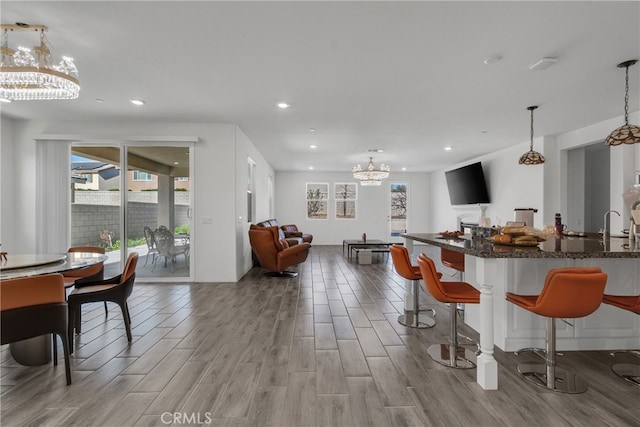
point(605, 231)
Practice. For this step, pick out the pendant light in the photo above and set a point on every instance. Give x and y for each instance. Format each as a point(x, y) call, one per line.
point(626, 134)
point(531, 157)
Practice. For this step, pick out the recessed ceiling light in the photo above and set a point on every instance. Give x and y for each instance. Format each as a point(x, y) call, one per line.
point(176, 163)
point(543, 64)
point(404, 169)
point(492, 59)
point(5, 100)
point(310, 168)
point(283, 105)
point(448, 148)
point(312, 130)
point(484, 131)
point(99, 100)
point(137, 101)
point(376, 150)
point(313, 147)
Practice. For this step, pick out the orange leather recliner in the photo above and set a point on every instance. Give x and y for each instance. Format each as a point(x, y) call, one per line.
point(273, 253)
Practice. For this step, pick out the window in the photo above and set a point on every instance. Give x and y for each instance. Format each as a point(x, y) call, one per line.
point(345, 195)
point(317, 199)
point(182, 178)
point(141, 176)
point(88, 177)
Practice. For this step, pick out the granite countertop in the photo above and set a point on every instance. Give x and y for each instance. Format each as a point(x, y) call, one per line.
point(590, 246)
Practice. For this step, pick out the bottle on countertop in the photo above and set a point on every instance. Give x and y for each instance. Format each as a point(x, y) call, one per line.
point(558, 224)
point(364, 237)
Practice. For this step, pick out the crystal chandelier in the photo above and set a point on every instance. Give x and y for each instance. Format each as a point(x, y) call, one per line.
point(29, 75)
point(531, 157)
point(625, 134)
point(372, 175)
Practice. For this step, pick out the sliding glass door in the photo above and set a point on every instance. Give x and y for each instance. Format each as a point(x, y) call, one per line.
point(129, 198)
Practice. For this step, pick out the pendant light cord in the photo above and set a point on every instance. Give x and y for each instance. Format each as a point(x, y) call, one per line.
point(531, 143)
point(626, 96)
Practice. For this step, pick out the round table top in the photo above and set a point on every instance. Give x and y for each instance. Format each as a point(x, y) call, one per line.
point(29, 260)
point(24, 265)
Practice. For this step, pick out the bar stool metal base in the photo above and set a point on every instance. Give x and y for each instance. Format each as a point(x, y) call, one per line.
point(420, 321)
point(564, 381)
point(413, 319)
point(628, 371)
point(282, 273)
point(441, 354)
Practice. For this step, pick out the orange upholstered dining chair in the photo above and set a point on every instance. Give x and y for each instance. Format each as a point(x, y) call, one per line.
point(117, 290)
point(91, 273)
point(87, 274)
point(35, 306)
point(567, 293)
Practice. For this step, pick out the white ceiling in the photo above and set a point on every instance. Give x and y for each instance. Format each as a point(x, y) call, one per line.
point(406, 77)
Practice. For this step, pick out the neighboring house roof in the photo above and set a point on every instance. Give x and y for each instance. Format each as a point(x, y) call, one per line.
point(105, 170)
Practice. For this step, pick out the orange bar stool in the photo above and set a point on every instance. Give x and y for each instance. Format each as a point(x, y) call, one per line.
point(627, 371)
point(451, 354)
point(402, 264)
point(454, 260)
point(567, 293)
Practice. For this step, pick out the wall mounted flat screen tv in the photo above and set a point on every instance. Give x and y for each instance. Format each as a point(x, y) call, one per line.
point(467, 185)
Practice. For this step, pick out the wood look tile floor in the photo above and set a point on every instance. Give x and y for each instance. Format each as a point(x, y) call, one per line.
point(322, 349)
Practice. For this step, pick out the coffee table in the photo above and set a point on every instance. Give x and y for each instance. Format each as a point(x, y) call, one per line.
point(364, 244)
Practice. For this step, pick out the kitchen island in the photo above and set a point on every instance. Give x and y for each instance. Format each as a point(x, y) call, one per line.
point(497, 269)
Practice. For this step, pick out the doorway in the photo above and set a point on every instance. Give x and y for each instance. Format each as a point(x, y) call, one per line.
point(126, 198)
point(397, 208)
point(588, 187)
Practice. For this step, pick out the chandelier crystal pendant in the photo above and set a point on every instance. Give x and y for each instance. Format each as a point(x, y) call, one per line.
point(531, 157)
point(371, 175)
point(29, 75)
point(625, 134)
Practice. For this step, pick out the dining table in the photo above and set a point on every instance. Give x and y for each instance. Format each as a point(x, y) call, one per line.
point(37, 351)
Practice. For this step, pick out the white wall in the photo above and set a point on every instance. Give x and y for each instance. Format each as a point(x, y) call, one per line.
point(7, 184)
point(372, 206)
point(510, 186)
point(214, 186)
point(244, 150)
point(542, 186)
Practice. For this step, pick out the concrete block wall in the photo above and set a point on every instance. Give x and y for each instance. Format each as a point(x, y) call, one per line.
point(88, 220)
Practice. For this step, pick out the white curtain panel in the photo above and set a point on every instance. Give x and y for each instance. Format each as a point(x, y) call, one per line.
point(53, 194)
